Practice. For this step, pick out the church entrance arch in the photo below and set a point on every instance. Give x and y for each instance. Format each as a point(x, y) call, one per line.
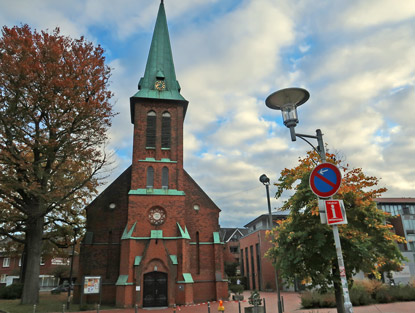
point(155, 289)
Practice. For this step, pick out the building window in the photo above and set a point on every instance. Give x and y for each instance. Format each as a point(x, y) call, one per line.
point(42, 260)
point(247, 269)
point(242, 262)
point(3, 278)
point(165, 130)
point(198, 252)
point(150, 177)
point(233, 249)
point(151, 130)
point(251, 248)
point(165, 178)
point(258, 264)
point(6, 262)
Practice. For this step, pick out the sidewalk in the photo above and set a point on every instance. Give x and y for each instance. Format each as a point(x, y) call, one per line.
point(291, 305)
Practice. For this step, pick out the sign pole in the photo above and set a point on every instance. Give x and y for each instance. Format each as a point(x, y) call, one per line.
point(347, 304)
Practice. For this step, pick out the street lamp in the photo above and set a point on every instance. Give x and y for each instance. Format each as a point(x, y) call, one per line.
point(287, 100)
point(68, 301)
point(265, 181)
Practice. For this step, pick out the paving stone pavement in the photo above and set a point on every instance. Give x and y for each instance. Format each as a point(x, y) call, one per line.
point(291, 305)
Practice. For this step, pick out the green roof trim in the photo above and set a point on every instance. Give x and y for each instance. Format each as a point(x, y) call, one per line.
point(137, 260)
point(122, 281)
point(216, 237)
point(156, 234)
point(184, 233)
point(160, 64)
point(157, 192)
point(205, 243)
point(128, 234)
point(173, 259)
point(187, 279)
point(166, 160)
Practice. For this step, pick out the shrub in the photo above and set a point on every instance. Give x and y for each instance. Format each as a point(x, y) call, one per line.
point(402, 293)
point(255, 298)
point(309, 300)
point(360, 294)
point(327, 300)
point(383, 295)
point(13, 291)
point(236, 289)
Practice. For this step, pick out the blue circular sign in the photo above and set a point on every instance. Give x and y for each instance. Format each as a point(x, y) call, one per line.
point(325, 180)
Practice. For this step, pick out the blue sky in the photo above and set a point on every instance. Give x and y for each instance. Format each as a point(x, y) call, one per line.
point(356, 58)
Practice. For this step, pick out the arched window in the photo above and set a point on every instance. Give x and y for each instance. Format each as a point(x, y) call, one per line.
point(165, 130)
point(165, 178)
point(151, 130)
point(150, 177)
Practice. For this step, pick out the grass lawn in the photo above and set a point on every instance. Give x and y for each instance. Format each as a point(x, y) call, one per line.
point(47, 303)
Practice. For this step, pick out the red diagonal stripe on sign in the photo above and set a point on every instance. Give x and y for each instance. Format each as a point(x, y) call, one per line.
point(325, 180)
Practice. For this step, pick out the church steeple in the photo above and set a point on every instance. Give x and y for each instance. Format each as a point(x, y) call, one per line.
point(159, 81)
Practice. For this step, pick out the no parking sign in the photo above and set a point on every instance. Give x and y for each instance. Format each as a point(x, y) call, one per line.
point(325, 180)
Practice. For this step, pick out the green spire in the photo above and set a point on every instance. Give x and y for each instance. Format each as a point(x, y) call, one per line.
point(160, 66)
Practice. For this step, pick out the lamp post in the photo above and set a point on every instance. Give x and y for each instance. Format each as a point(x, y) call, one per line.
point(265, 181)
point(68, 301)
point(287, 100)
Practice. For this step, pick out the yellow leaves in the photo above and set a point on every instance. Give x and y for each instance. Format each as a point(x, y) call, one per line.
point(306, 281)
point(315, 211)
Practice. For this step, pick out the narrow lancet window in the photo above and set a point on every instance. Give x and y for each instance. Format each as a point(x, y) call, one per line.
point(151, 130)
point(150, 177)
point(165, 130)
point(165, 178)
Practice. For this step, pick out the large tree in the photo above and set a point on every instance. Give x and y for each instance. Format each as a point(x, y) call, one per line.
point(304, 247)
point(55, 111)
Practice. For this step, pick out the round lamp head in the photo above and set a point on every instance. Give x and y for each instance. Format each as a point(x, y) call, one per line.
point(287, 100)
point(264, 179)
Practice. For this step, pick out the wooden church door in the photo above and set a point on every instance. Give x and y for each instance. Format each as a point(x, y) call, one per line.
point(155, 289)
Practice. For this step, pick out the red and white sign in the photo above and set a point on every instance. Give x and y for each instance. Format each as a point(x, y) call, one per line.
point(335, 212)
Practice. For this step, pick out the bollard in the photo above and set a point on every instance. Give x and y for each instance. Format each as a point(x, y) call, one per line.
point(208, 307)
point(282, 300)
point(174, 308)
point(265, 307)
point(98, 307)
point(136, 308)
point(63, 308)
point(239, 304)
point(34, 308)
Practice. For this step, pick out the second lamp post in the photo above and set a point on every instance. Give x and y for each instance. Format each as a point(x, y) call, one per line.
point(265, 180)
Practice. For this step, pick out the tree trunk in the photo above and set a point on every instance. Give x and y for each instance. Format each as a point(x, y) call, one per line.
point(34, 232)
point(23, 264)
point(338, 293)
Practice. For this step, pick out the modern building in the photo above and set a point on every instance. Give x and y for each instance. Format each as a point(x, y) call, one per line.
point(402, 211)
point(152, 236)
point(257, 269)
point(231, 250)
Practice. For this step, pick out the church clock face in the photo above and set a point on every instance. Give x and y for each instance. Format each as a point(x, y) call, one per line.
point(157, 216)
point(160, 85)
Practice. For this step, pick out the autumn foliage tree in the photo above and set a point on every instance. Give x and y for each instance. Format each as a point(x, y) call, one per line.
point(304, 247)
point(55, 111)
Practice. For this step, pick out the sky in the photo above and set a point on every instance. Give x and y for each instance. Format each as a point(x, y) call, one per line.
point(356, 58)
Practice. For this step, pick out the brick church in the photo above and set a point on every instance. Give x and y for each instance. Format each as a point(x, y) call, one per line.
point(152, 236)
